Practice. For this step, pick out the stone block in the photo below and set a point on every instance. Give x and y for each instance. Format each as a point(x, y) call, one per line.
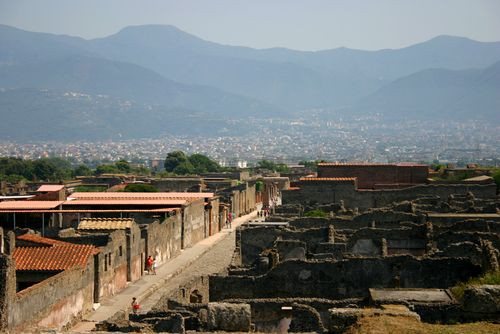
point(228, 317)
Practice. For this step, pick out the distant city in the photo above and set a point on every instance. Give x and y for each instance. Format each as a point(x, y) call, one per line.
point(290, 141)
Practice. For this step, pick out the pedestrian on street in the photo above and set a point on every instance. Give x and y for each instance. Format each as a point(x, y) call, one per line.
point(149, 264)
point(135, 305)
point(155, 264)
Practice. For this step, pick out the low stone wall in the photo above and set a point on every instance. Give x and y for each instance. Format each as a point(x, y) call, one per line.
point(344, 279)
point(54, 302)
point(365, 199)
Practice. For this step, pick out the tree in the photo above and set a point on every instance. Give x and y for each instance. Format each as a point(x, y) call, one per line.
point(184, 168)
point(174, 159)
point(106, 169)
point(203, 164)
point(123, 166)
point(266, 164)
point(140, 188)
point(496, 176)
point(44, 169)
point(82, 170)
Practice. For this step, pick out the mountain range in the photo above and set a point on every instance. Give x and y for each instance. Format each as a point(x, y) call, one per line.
point(169, 69)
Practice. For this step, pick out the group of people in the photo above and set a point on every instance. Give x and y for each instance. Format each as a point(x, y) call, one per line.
point(151, 266)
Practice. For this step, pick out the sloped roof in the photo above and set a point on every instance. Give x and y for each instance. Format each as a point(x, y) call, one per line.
point(50, 187)
point(139, 195)
point(106, 223)
point(96, 201)
point(370, 164)
point(29, 205)
point(51, 255)
point(334, 179)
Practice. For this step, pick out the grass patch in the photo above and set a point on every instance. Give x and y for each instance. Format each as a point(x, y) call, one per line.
point(492, 278)
point(317, 213)
point(403, 325)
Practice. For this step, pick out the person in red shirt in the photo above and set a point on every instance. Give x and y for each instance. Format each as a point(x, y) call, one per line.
point(149, 264)
point(135, 305)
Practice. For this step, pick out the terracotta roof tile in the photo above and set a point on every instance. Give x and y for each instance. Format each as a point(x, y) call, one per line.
point(368, 164)
point(337, 179)
point(106, 223)
point(138, 195)
point(51, 255)
point(50, 187)
point(97, 201)
point(29, 205)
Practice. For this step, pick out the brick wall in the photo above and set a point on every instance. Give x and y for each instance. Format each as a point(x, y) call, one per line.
point(371, 175)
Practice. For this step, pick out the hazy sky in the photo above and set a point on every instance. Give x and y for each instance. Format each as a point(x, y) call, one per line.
point(296, 24)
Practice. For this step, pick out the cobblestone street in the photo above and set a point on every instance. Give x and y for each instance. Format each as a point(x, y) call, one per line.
point(213, 261)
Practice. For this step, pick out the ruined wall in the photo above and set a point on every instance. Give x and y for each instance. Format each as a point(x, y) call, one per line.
point(179, 184)
point(163, 239)
point(213, 216)
point(370, 175)
point(193, 217)
point(364, 199)
point(254, 240)
point(343, 279)
point(194, 291)
point(112, 268)
point(54, 302)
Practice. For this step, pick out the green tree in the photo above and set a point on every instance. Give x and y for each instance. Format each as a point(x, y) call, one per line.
point(45, 169)
point(184, 168)
point(174, 159)
point(140, 188)
point(82, 170)
point(203, 164)
point(106, 169)
point(123, 166)
point(496, 176)
point(266, 164)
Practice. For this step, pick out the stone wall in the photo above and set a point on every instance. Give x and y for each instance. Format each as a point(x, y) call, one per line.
point(370, 175)
point(254, 240)
point(343, 279)
point(112, 267)
point(179, 184)
point(365, 199)
point(193, 222)
point(163, 240)
point(55, 301)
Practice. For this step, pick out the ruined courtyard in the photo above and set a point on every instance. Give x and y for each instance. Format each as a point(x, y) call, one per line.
point(293, 273)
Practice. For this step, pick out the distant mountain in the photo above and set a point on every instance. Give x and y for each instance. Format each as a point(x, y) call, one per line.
point(129, 81)
point(173, 70)
point(439, 94)
point(32, 114)
point(294, 79)
point(289, 79)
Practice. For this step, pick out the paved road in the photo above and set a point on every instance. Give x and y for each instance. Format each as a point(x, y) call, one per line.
point(213, 261)
point(190, 263)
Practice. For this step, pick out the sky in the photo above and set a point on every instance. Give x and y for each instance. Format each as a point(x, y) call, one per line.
point(295, 24)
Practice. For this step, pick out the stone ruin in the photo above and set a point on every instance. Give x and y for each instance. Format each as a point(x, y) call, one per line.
point(322, 274)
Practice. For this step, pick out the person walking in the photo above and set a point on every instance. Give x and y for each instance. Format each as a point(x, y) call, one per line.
point(155, 264)
point(149, 264)
point(135, 305)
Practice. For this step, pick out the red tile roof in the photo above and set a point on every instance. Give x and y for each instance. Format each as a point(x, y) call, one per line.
point(368, 164)
point(337, 179)
point(138, 195)
point(50, 187)
point(51, 255)
point(29, 205)
point(112, 201)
